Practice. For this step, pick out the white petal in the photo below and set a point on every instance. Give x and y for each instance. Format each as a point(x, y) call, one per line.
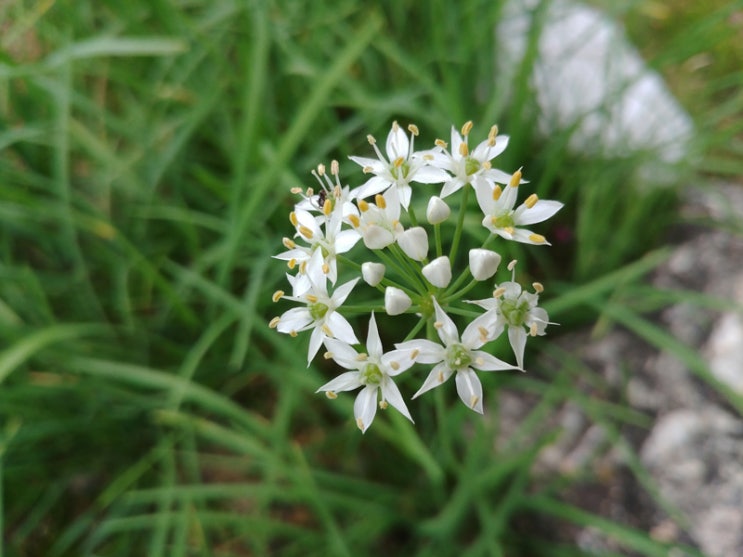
point(525, 237)
point(484, 194)
point(376, 237)
point(342, 353)
point(541, 211)
point(483, 263)
point(396, 301)
point(373, 273)
point(414, 242)
point(498, 176)
point(439, 374)
point(428, 352)
point(469, 389)
point(375, 165)
point(438, 272)
point(437, 211)
point(517, 338)
point(342, 292)
point(391, 394)
point(345, 240)
point(344, 382)
point(540, 317)
point(295, 319)
point(453, 185)
point(316, 339)
point(397, 143)
point(430, 175)
point(397, 361)
point(341, 328)
point(373, 185)
point(365, 407)
point(373, 342)
point(447, 329)
point(479, 331)
point(487, 362)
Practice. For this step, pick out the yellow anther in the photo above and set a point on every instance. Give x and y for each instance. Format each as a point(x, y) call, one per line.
point(311, 298)
point(414, 354)
point(497, 192)
point(303, 267)
point(334, 167)
point(440, 143)
point(360, 423)
point(327, 207)
point(331, 395)
point(428, 157)
point(512, 264)
point(531, 201)
point(509, 230)
point(296, 190)
point(293, 334)
point(309, 192)
point(325, 329)
point(277, 295)
point(397, 163)
point(487, 165)
point(328, 355)
point(412, 128)
point(288, 243)
point(337, 191)
point(463, 149)
point(363, 206)
point(395, 126)
point(274, 322)
point(291, 263)
point(321, 169)
point(370, 139)
point(395, 365)
point(367, 170)
point(362, 357)
point(325, 268)
point(474, 400)
point(538, 287)
point(483, 333)
point(515, 179)
point(492, 134)
point(533, 329)
point(479, 361)
point(537, 238)
point(498, 292)
point(354, 220)
point(306, 232)
point(438, 324)
point(441, 377)
point(383, 404)
point(380, 201)
point(467, 128)
point(293, 218)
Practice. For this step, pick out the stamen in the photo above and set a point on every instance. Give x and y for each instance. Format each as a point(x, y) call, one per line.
point(531, 201)
point(291, 263)
point(412, 128)
point(440, 143)
point(303, 267)
point(277, 295)
point(354, 220)
point(311, 298)
point(537, 238)
point(463, 149)
point(293, 218)
point(483, 333)
point(414, 354)
point(395, 365)
point(395, 126)
point(383, 404)
point(293, 334)
point(370, 139)
point(328, 355)
point(512, 264)
point(288, 243)
point(509, 230)
point(331, 395)
point(397, 163)
point(487, 165)
point(296, 190)
point(367, 170)
point(327, 208)
point(363, 205)
point(498, 292)
point(467, 128)
point(533, 329)
point(441, 377)
point(306, 232)
point(479, 361)
point(362, 357)
point(327, 331)
point(334, 168)
point(321, 169)
point(381, 203)
point(515, 179)
point(360, 424)
point(325, 268)
point(491, 135)
point(474, 400)
point(497, 191)
point(438, 324)
point(274, 322)
point(538, 287)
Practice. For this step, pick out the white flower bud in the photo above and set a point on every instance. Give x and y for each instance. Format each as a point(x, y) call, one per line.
point(414, 242)
point(396, 301)
point(438, 272)
point(483, 263)
point(373, 273)
point(438, 211)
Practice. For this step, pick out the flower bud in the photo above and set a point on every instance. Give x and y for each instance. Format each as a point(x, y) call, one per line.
point(373, 273)
point(414, 242)
point(438, 211)
point(438, 272)
point(483, 263)
point(396, 301)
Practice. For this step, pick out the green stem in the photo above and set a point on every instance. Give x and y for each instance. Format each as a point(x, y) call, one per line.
point(460, 224)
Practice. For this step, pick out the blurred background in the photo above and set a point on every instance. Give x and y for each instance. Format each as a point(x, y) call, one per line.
point(147, 150)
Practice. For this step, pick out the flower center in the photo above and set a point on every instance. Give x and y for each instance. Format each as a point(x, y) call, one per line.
point(400, 172)
point(503, 221)
point(371, 375)
point(514, 311)
point(318, 310)
point(458, 357)
point(471, 165)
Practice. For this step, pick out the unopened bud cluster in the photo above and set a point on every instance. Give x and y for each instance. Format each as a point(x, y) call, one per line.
point(410, 263)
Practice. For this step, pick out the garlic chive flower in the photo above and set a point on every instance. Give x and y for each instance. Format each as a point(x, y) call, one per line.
point(373, 372)
point(379, 222)
point(396, 301)
point(502, 219)
point(456, 356)
point(468, 166)
point(401, 166)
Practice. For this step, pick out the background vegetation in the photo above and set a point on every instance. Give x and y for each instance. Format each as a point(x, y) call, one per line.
point(147, 152)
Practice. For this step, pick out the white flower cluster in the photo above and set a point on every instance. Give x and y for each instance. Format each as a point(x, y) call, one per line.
point(331, 222)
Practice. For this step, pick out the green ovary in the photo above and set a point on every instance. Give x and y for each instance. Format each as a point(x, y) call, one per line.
point(371, 375)
point(458, 357)
point(503, 221)
point(400, 172)
point(515, 311)
point(471, 166)
point(318, 311)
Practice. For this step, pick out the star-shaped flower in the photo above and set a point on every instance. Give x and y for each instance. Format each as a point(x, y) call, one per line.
point(502, 219)
point(401, 166)
point(460, 356)
point(373, 371)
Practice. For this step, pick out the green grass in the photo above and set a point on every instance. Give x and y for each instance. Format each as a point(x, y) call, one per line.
point(147, 152)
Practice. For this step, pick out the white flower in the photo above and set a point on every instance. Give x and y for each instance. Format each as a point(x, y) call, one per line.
point(437, 211)
point(319, 314)
point(331, 197)
point(401, 166)
point(483, 263)
point(379, 224)
point(373, 372)
point(438, 272)
point(469, 167)
point(456, 355)
point(502, 219)
point(517, 310)
point(414, 242)
point(372, 273)
point(396, 301)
